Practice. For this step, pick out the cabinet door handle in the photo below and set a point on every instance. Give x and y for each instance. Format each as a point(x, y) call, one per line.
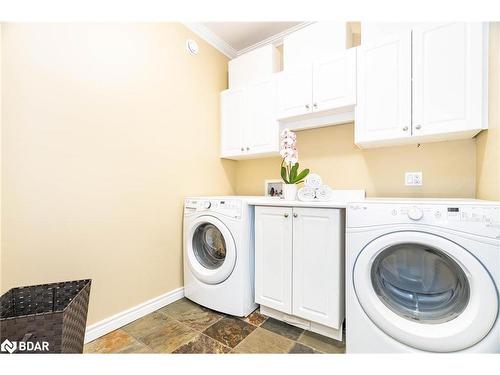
point(418, 127)
point(405, 129)
point(286, 215)
point(242, 149)
point(248, 148)
point(315, 105)
point(295, 215)
point(307, 106)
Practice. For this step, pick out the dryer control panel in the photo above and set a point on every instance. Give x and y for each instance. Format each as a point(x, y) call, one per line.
point(227, 207)
point(481, 220)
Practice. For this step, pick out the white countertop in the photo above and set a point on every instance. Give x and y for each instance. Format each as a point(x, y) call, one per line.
point(340, 199)
point(268, 201)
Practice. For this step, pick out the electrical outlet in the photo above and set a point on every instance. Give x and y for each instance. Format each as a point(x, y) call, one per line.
point(413, 179)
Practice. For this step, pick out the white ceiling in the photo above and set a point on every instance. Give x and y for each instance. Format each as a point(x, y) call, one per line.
point(240, 35)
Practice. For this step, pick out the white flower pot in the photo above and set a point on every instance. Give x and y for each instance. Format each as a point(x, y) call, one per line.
point(289, 192)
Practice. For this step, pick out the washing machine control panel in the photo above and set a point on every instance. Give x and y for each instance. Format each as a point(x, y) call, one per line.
point(227, 207)
point(483, 220)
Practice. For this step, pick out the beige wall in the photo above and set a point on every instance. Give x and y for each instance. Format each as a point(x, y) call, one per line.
point(488, 142)
point(105, 129)
point(448, 167)
point(1, 27)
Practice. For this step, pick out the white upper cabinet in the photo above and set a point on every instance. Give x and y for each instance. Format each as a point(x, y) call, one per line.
point(448, 78)
point(323, 93)
point(372, 32)
point(383, 110)
point(312, 42)
point(258, 64)
point(426, 84)
point(248, 121)
point(334, 81)
point(249, 128)
point(233, 121)
point(261, 135)
point(294, 92)
point(318, 84)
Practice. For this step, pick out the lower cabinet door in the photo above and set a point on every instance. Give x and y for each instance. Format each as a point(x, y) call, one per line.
point(273, 257)
point(318, 271)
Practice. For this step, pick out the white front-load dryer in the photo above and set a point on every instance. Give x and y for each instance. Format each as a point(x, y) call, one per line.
point(422, 276)
point(219, 254)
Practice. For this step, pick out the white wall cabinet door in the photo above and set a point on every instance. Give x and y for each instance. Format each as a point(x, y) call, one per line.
point(383, 110)
point(255, 65)
point(318, 265)
point(314, 41)
point(273, 257)
point(334, 81)
point(233, 121)
point(294, 92)
point(448, 78)
point(261, 134)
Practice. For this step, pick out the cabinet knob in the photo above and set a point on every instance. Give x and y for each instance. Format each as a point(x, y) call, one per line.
point(315, 105)
point(418, 127)
point(295, 215)
point(242, 149)
point(405, 128)
point(307, 106)
point(248, 148)
point(286, 215)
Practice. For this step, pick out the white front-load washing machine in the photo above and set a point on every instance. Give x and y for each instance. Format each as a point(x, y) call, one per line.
point(219, 254)
point(422, 276)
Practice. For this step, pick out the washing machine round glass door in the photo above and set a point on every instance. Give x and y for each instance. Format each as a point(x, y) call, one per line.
point(211, 250)
point(425, 291)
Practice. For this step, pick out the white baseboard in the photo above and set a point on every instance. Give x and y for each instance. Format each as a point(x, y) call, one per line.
point(125, 317)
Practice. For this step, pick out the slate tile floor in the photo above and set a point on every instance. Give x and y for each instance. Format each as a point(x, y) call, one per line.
point(185, 327)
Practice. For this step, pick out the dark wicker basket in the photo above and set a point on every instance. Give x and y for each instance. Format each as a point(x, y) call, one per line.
point(55, 313)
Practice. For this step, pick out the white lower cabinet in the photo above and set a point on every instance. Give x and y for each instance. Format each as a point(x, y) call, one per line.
point(299, 266)
point(317, 265)
point(273, 257)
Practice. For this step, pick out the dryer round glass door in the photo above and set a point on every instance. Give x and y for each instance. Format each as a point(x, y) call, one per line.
point(425, 291)
point(420, 283)
point(211, 250)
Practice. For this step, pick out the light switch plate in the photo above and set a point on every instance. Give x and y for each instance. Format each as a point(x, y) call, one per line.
point(413, 179)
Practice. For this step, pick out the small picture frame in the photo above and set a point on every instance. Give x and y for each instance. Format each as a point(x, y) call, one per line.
point(273, 188)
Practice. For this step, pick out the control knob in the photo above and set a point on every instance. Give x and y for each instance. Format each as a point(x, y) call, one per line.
point(207, 205)
point(415, 213)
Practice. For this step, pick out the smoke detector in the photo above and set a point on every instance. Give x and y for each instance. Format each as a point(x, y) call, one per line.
point(192, 47)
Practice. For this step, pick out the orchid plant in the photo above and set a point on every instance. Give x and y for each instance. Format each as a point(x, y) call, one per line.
point(289, 165)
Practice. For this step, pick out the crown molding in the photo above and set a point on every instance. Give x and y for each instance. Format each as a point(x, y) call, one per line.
point(214, 40)
point(211, 38)
point(276, 39)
